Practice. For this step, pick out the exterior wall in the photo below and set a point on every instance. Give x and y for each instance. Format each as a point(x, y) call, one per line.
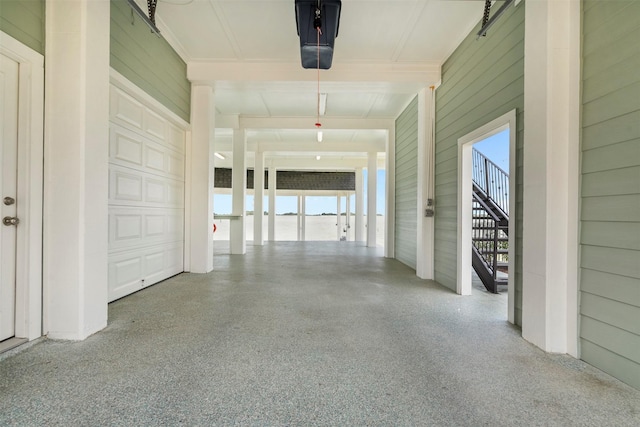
point(148, 61)
point(482, 80)
point(610, 190)
point(24, 21)
point(407, 184)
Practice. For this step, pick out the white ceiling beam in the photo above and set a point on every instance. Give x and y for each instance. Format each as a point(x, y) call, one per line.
point(324, 147)
point(423, 73)
point(313, 147)
point(335, 123)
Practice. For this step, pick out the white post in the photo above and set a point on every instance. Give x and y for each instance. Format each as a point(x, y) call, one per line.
point(372, 184)
point(239, 193)
point(272, 204)
point(199, 232)
point(359, 234)
point(347, 224)
point(76, 168)
point(390, 192)
point(258, 199)
point(425, 225)
point(303, 210)
point(551, 174)
point(298, 218)
point(338, 217)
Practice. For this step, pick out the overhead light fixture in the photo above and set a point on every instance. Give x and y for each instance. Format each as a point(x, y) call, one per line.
point(319, 136)
point(317, 23)
point(220, 156)
point(317, 157)
point(323, 104)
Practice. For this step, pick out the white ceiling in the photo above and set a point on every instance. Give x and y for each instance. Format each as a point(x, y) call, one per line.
point(385, 52)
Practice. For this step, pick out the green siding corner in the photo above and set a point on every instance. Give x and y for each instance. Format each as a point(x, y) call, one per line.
point(148, 61)
point(407, 184)
point(610, 189)
point(482, 80)
point(24, 21)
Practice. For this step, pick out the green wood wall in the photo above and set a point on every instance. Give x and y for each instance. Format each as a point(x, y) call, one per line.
point(610, 189)
point(482, 80)
point(407, 184)
point(24, 21)
point(148, 60)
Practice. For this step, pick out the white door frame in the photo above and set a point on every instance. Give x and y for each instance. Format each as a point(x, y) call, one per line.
point(30, 182)
point(465, 146)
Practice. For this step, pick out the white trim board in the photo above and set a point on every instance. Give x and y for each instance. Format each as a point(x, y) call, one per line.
point(465, 146)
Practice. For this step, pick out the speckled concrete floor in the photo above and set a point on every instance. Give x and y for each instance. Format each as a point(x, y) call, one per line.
point(305, 334)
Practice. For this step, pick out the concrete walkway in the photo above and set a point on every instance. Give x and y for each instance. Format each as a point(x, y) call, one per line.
point(302, 334)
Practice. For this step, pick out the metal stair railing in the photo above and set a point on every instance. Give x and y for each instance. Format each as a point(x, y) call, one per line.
point(492, 181)
point(490, 219)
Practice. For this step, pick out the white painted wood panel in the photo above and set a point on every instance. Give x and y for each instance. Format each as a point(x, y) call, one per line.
point(146, 195)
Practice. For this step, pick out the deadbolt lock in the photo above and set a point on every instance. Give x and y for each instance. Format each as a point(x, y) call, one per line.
point(9, 201)
point(10, 220)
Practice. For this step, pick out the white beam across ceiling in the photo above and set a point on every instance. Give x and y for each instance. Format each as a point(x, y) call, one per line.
point(336, 123)
point(324, 147)
point(207, 72)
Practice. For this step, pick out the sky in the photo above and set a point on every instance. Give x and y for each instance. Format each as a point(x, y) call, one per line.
point(496, 148)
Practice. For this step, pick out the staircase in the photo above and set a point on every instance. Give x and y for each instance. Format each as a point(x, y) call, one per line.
point(490, 230)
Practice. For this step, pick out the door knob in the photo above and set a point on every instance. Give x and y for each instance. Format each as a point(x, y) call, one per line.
point(10, 220)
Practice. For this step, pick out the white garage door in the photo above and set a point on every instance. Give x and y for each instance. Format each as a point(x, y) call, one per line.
point(146, 195)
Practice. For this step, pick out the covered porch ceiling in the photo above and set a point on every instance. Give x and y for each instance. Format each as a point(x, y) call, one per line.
point(248, 51)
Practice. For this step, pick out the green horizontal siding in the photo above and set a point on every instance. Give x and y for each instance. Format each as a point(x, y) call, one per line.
point(407, 184)
point(148, 61)
point(482, 80)
point(24, 21)
point(610, 189)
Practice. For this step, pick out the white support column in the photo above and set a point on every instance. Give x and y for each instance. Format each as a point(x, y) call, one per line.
point(303, 224)
point(258, 199)
point(359, 234)
point(200, 170)
point(298, 218)
point(390, 192)
point(347, 217)
point(238, 242)
point(372, 184)
point(76, 168)
point(425, 225)
point(551, 174)
point(338, 217)
point(272, 204)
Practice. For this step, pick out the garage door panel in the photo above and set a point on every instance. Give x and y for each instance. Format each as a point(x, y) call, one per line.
point(131, 227)
point(155, 159)
point(129, 187)
point(132, 150)
point(125, 109)
point(155, 125)
point(146, 194)
point(155, 226)
point(156, 191)
point(127, 228)
point(175, 137)
point(131, 271)
point(126, 147)
point(125, 272)
point(125, 186)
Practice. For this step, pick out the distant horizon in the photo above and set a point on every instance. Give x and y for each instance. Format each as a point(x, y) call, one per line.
point(495, 148)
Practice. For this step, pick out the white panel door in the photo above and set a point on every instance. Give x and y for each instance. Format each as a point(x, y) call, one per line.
point(146, 196)
point(8, 184)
